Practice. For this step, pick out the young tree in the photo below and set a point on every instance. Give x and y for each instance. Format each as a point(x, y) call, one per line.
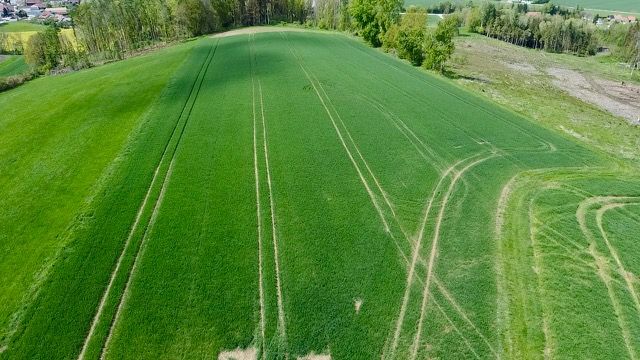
point(373, 18)
point(438, 45)
point(44, 50)
point(408, 36)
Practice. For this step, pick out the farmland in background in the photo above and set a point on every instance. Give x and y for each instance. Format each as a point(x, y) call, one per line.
point(631, 6)
point(283, 194)
point(17, 37)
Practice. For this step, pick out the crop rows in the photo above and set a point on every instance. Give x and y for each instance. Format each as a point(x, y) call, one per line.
point(290, 201)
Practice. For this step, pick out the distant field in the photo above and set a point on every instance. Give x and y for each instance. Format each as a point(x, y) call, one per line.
point(614, 5)
point(12, 65)
point(19, 39)
point(21, 26)
point(609, 5)
point(296, 194)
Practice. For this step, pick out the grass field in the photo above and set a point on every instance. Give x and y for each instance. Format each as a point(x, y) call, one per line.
point(630, 6)
point(12, 65)
point(300, 195)
point(21, 26)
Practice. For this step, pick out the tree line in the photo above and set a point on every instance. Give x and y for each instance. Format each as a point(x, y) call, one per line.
point(110, 29)
point(551, 29)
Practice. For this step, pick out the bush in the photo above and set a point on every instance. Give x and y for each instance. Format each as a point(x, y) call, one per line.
point(11, 82)
point(407, 38)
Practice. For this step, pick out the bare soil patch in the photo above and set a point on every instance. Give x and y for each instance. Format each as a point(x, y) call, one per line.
point(256, 30)
point(618, 98)
point(313, 356)
point(238, 354)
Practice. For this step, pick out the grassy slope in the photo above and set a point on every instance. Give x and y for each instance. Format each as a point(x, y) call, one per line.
point(56, 159)
point(481, 65)
point(320, 308)
point(565, 261)
point(12, 65)
point(194, 291)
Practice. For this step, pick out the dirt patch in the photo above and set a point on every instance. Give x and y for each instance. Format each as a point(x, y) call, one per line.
point(357, 304)
point(256, 30)
point(620, 99)
point(238, 354)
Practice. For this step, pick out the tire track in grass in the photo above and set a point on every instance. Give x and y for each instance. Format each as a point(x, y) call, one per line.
point(614, 253)
point(537, 261)
point(603, 270)
point(311, 77)
point(455, 328)
point(163, 187)
point(434, 249)
point(443, 290)
point(415, 256)
point(281, 314)
point(480, 107)
point(139, 215)
point(409, 134)
point(258, 205)
point(355, 146)
point(343, 142)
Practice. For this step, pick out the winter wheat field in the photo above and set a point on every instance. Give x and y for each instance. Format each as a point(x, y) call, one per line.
point(300, 195)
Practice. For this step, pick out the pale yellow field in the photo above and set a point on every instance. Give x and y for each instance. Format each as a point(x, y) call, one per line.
point(12, 40)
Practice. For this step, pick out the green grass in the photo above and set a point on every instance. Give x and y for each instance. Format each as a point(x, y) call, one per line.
point(12, 65)
point(268, 192)
point(21, 26)
point(56, 160)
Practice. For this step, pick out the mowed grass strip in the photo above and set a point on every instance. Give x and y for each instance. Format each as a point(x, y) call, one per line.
point(73, 289)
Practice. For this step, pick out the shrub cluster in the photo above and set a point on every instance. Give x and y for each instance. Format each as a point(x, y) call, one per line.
point(410, 39)
point(8, 83)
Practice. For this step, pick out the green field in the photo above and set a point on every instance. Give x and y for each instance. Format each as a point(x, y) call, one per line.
point(12, 65)
point(21, 26)
point(292, 194)
point(631, 6)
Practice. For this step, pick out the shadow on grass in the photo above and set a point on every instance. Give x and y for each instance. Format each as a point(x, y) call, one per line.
point(452, 74)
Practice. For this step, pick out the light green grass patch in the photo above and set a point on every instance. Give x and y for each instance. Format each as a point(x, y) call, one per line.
point(12, 65)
